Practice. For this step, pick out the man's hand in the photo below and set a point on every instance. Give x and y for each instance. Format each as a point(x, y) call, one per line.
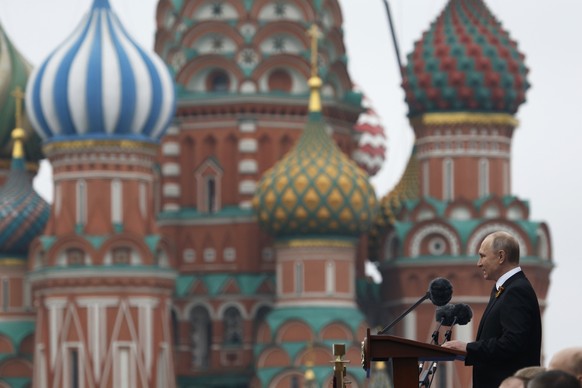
point(456, 345)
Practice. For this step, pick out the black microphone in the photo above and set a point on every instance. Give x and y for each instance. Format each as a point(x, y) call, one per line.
point(462, 315)
point(444, 316)
point(440, 292)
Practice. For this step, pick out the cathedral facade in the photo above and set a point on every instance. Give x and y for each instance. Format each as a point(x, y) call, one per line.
point(213, 214)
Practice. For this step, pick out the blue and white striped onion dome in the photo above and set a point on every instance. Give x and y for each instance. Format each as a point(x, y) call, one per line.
point(100, 84)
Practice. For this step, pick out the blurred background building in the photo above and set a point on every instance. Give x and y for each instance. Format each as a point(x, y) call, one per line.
point(211, 225)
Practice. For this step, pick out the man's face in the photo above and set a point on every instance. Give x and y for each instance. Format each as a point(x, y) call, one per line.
point(489, 260)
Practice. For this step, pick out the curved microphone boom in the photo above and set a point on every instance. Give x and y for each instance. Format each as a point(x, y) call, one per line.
point(440, 292)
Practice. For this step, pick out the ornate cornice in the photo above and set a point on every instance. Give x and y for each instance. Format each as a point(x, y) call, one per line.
point(94, 145)
point(12, 262)
point(315, 243)
point(453, 118)
point(99, 278)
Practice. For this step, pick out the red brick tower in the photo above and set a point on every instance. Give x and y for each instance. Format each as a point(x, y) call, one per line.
point(464, 82)
point(316, 202)
point(241, 71)
point(101, 277)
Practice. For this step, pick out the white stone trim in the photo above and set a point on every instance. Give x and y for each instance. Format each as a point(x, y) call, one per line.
point(170, 207)
point(107, 174)
point(245, 205)
point(247, 126)
point(479, 235)
point(420, 234)
point(171, 190)
point(170, 148)
point(170, 169)
point(247, 187)
point(248, 166)
point(248, 145)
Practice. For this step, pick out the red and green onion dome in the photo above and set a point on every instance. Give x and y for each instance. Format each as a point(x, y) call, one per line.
point(23, 213)
point(315, 190)
point(14, 73)
point(466, 61)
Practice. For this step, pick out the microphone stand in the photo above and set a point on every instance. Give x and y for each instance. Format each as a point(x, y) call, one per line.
point(450, 331)
point(423, 379)
point(391, 325)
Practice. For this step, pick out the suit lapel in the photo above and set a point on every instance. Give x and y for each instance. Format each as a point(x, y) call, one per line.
point(492, 300)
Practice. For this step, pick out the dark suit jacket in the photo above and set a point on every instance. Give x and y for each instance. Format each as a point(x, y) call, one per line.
point(509, 336)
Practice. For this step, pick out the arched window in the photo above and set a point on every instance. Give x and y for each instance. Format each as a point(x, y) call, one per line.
point(425, 178)
point(116, 202)
point(483, 177)
point(75, 256)
point(448, 179)
point(208, 179)
point(280, 81)
point(175, 329)
point(81, 203)
point(5, 294)
point(211, 194)
point(299, 278)
point(217, 81)
point(330, 277)
point(143, 198)
point(233, 326)
point(260, 317)
point(201, 336)
point(121, 256)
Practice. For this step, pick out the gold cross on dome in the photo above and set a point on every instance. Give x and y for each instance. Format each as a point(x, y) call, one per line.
point(18, 97)
point(314, 33)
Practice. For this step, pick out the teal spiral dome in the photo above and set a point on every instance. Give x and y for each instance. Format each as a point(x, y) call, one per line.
point(23, 213)
point(466, 61)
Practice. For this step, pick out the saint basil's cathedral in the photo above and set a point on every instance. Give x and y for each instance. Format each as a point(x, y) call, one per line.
point(213, 213)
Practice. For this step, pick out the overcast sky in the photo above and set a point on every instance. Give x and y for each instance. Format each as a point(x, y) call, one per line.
point(546, 159)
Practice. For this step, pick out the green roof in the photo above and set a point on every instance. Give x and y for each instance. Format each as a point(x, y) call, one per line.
point(17, 382)
point(248, 283)
point(315, 317)
point(16, 331)
point(193, 213)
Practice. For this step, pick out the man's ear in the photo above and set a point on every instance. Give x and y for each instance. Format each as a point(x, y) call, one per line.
point(502, 256)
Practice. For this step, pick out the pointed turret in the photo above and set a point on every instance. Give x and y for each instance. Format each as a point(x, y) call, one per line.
point(464, 83)
point(23, 216)
point(316, 202)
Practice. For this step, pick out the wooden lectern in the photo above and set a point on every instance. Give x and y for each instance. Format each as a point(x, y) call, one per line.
point(405, 355)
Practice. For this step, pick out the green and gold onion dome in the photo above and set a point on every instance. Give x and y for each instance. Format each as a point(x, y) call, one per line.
point(465, 62)
point(23, 213)
point(315, 190)
point(14, 73)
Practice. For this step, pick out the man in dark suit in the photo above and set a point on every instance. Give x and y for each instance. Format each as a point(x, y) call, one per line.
point(510, 332)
